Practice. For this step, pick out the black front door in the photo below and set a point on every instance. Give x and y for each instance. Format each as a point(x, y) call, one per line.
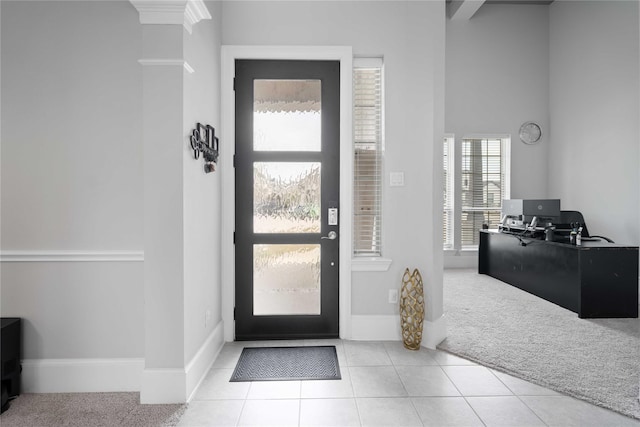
point(287, 193)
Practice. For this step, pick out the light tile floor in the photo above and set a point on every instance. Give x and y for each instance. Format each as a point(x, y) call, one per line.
point(383, 384)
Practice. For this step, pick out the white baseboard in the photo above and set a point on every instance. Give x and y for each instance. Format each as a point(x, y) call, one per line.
point(163, 385)
point(387, 328)
point(177, 385)
point(460, 259)
point(81, 375)
point(375, 328)
point(203, 360)
point(117, 375)
point(434, 332)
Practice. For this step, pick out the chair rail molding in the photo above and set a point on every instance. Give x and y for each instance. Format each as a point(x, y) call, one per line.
point(168, 62)
point(178, 12)
point(71, 256)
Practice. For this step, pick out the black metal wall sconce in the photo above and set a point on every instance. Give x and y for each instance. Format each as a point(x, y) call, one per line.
point(204, 140)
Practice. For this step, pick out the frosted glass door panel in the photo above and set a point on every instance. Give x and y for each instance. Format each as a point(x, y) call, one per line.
point(286, 197)
point(287, 115)
point(286, 280)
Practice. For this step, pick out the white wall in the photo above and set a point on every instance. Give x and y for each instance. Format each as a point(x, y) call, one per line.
point(497, 77)
point(181, 215)
point(497, 68)
point(71, 122)
point(410, 37)
point(72, 177)
point(163, 141)
point(202, 191)
point(573, 68)
point(80, 158)
point(593, 162)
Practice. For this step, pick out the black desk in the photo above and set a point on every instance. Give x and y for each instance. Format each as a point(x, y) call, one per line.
point(597, 279)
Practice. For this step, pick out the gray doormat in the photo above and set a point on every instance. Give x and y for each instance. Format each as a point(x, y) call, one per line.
point(287, 364)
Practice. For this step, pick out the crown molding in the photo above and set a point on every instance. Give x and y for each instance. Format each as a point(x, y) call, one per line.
point(172, 12)
point(195, 12)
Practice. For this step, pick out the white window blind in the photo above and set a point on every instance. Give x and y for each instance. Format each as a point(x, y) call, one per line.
point(447, 215)
point(368, 132)
point(483, 185)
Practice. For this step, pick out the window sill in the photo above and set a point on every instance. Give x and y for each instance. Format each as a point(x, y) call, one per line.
point(370, 264)
point(460, 252)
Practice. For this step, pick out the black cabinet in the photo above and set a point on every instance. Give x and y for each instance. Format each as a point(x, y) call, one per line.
point(10, 346)
point(596, 279)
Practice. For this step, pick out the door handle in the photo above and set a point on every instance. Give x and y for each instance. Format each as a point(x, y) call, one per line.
point(331, 236)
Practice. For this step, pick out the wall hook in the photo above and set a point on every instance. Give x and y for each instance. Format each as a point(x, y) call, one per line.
point(203, 140)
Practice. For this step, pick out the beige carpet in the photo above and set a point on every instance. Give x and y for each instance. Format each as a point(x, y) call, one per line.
point(88, 410)
point(500, 326)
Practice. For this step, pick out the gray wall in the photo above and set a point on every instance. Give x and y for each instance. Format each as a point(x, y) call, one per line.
point(72, 161)
point(410, 37)
point(72, 180)
point(202, 292)
point(71, 123)
point(181, 208)
point(572, 67)
point(497, 77)
point(72, 175)
point(594, 109)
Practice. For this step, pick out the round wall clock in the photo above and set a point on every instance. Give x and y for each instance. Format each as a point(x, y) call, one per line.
point(530, 133)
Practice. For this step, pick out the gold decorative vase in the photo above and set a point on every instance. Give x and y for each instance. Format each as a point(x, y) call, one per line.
point(412, 309)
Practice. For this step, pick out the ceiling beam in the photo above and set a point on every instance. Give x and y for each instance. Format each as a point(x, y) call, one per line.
point(463, 9)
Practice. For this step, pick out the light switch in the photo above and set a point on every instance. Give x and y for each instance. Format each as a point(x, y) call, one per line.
point(396, 179)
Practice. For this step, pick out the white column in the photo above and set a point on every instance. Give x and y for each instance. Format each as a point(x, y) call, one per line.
point(435, 324)
point(164, 379)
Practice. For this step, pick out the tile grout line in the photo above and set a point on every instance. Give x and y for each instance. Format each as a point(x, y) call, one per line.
point(246, 395)
point(300, 401)
point(464, 397)
point(404, 386)
point(244, 403)
point(412, 398)
point(516, 395)
point(531, 409)
point(353, 391)
point(387, 351)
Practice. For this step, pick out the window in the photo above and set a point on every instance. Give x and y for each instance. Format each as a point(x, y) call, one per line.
point(483, 182)
point(447, 215)
point(368, 134)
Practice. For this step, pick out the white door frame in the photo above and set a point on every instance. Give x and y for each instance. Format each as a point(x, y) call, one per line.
point(344, 54)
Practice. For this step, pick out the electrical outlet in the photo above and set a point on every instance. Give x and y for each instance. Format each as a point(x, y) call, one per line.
point(393, 296)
